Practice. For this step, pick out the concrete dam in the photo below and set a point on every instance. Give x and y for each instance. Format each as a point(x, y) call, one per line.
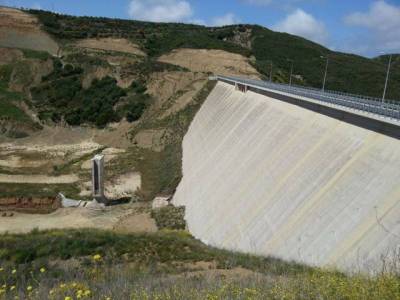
point(268, 177)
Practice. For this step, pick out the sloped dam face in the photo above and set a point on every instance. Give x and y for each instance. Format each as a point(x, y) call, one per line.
point(267, 177)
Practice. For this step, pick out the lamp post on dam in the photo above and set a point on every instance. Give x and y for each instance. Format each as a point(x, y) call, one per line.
point(291, 70)
point(387, 78)
point(326, 72)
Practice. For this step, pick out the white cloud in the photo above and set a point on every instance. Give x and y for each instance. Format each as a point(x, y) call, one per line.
point(303, 24)
point(382, 22)
point(160, 10)
point(286, 4)
point(227, 19)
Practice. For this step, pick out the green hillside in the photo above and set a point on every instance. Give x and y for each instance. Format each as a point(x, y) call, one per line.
point(347, 72)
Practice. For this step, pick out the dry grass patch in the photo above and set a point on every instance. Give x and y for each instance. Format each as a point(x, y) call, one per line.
point(211, 61)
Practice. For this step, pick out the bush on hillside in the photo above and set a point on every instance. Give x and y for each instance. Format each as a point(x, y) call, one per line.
point(62, 96)
point(169, 217)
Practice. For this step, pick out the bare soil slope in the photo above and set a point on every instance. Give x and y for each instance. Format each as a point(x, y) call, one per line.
point(174, 90)
point(111, 44)
point(213, 61)
point(21, 30)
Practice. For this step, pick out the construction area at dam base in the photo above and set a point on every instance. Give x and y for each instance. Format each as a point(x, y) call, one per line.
point(266, 177)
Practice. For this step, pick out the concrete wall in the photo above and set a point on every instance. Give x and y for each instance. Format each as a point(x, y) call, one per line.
point(268, 177)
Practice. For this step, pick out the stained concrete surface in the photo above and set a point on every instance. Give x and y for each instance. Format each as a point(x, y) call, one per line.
point(267, 177)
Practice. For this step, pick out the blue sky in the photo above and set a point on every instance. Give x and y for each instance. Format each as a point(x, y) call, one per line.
point(365, 27)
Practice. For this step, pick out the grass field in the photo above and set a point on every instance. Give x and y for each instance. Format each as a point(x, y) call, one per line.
point(38, 190)
point(91, 264)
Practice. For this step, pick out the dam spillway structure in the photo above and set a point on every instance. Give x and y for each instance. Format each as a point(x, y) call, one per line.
point(98, 178)
point(280, 175)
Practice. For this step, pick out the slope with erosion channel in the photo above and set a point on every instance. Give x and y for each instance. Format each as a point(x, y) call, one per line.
point(267, 177)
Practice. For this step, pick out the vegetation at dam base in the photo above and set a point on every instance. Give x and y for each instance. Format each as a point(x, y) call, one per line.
point(91, 264)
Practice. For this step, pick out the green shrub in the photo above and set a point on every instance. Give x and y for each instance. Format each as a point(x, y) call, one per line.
point(42, 55)
point(169, 217)
point(5, 75)
point(138, 87)
point(135, 106)
point(61, 95)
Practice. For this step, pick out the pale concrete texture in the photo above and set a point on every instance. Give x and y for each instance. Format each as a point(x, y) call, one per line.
point(267, 177)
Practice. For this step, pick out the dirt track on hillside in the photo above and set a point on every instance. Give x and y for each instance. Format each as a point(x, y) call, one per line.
point(121, 217)
point(214, 61)
point(38, 179)
point(111, 44)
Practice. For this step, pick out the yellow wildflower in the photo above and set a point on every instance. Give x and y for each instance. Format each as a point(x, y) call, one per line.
point(12, 288)
point(87, 293)
point(2, 291)
point(62, 285)
point(13, 271)
point(97, 257)
point(1, 269)
point(4, 286)
point(42, 270)
point(29, 288)
point(68, 298)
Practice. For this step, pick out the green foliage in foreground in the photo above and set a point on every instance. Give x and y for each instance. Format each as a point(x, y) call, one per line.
point(103, 280)
point(160, 247)
point(162, 266)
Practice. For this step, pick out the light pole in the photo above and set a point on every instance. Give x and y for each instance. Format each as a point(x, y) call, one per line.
point(387, 78)
point(291, 71)
point(270, 73)
point(326, 72)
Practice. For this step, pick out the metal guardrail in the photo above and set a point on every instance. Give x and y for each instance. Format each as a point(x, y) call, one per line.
point(389, 108)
